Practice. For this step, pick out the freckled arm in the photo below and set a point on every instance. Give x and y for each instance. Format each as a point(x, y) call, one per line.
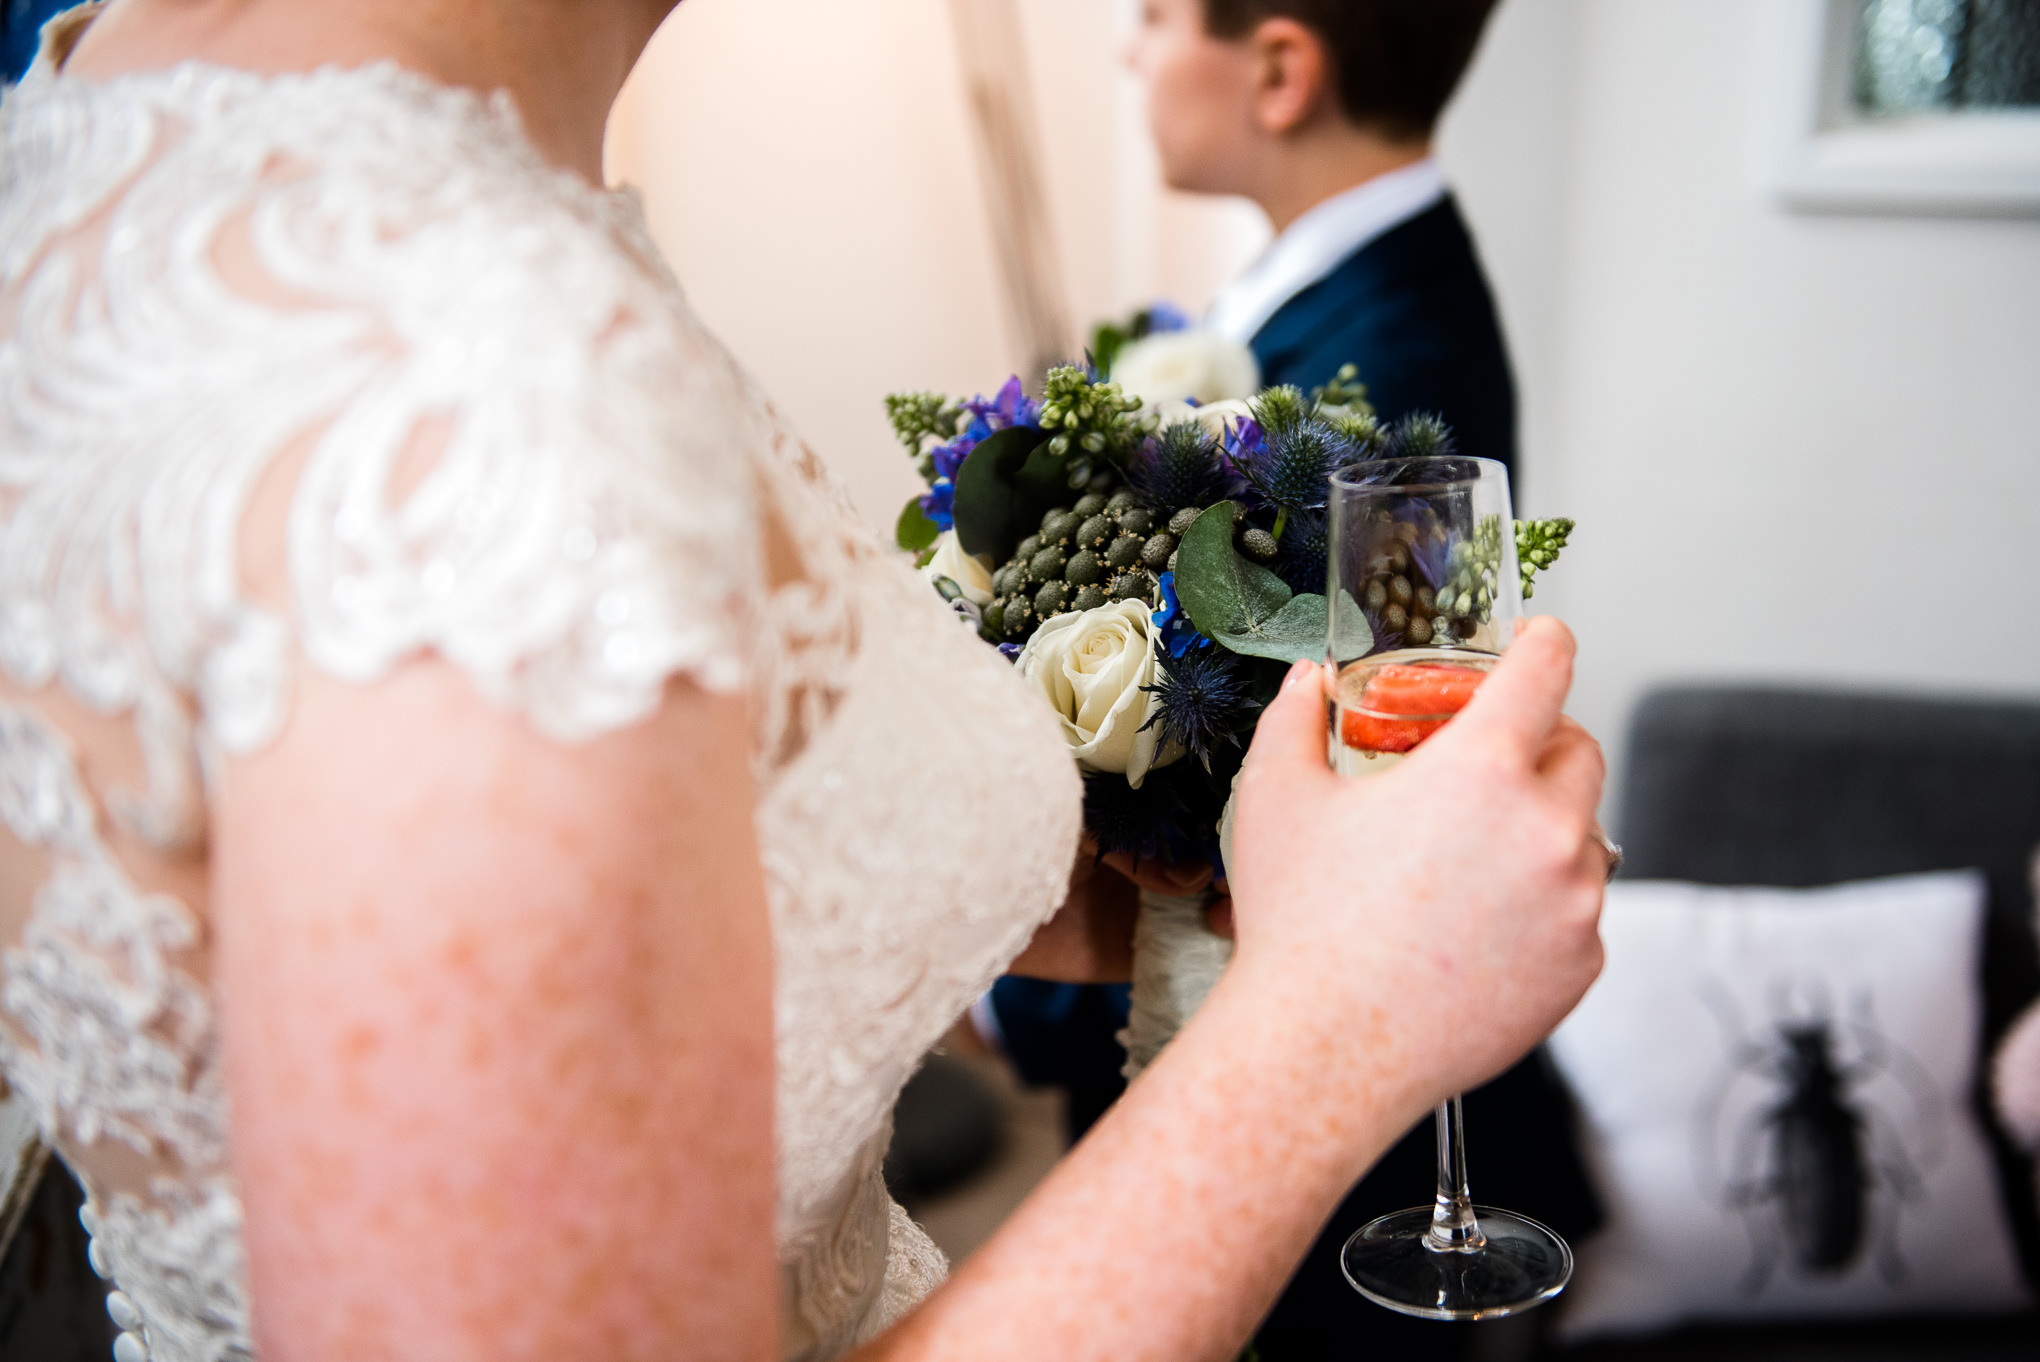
point(498, 1029)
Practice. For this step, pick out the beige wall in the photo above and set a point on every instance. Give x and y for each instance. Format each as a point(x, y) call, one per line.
point(807, 168)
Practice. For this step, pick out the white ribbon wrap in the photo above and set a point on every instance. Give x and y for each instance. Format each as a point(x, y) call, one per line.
point(1176, 961)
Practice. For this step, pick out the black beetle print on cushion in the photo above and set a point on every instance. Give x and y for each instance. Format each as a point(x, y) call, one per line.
point(1816, 1133)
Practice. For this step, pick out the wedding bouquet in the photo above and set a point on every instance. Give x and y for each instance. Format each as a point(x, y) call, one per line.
point(1147, 542)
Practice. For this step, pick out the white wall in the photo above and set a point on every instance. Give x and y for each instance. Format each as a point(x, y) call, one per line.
point(1799, 447)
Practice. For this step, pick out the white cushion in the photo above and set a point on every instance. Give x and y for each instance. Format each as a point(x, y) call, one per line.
point(1678, 1056)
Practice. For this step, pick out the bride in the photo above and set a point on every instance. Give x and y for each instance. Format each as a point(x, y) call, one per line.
point(488, 833)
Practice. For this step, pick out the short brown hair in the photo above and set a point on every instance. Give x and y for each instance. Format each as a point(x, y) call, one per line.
point(1396, 61)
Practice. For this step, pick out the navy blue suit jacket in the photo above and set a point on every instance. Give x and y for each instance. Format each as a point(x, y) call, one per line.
point(1411, 310)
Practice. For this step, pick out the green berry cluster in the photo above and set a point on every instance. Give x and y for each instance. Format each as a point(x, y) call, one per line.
point(916, 417)
point(1538, 544)
point(1096, 424)
point(1107, 546)
point(1468, 595)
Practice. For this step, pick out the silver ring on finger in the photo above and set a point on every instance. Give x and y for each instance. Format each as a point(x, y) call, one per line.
point(1613, 850)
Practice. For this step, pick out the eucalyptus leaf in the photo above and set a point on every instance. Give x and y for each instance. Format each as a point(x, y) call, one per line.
point(1295, 633)
point(1355, 636)
point(1224, 593)
point(915, 532)
point(1003, 489)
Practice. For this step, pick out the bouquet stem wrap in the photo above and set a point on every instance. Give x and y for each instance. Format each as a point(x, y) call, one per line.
point(1176, 961)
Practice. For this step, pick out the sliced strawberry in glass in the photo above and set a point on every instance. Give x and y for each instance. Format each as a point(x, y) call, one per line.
point(1429, 694)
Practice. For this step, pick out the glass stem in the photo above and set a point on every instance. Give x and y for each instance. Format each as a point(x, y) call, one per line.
point(1453, 1226)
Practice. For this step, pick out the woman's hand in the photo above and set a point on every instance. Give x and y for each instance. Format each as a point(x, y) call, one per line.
point(1448, 907)
point(1400, 938)
point(1090, 938)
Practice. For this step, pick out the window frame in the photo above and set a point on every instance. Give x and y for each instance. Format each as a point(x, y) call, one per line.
point(1820, 154)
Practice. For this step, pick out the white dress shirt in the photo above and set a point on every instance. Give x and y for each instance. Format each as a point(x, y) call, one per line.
point(1316, 242)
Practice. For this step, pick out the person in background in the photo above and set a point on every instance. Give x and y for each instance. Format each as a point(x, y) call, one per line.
point(21, 24)
point(1322, 112)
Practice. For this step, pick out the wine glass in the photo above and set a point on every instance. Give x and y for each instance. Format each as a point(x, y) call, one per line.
point(1426, 595)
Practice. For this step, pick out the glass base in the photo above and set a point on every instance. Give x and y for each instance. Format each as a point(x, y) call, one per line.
point(1522, 1264)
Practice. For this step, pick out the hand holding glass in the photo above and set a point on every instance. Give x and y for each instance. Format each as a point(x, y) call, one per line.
point(1424, 552)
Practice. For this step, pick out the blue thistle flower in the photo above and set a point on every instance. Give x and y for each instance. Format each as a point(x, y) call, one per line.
point(1139, 822)
point(1293, 468)
point(1301, 553)
point(1182, 466)
point(1204, 700)
point(1421, 435)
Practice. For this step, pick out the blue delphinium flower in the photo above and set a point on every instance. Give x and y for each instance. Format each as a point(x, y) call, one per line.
point(1172, 622)
point(1009, 407)
point(1244, 440)
point(938, 503)
point(1166, 316)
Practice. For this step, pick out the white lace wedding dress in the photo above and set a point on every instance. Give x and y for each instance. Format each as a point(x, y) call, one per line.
point(210, 278)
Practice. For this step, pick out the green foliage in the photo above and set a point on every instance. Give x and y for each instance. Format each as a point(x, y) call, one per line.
point(1538, 544)
point(1096, 425)
point(1246, 608)
point(1107, 340)
point(915, 532)
point(915, 416)
point(1003, 489)
point(1345, 392)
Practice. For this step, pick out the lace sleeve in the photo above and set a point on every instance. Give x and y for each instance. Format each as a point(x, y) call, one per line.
point(586, 529)
point(584, 533)
point(518, 450)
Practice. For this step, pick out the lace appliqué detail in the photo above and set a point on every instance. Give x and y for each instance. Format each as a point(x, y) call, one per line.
point(123, 1039)
point(180, 1264)
point(519, 459)
point(914, 1267)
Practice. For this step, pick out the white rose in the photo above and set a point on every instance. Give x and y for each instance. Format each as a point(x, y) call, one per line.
point(971, 575)
point(1091, 665)
point(1171, 366)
